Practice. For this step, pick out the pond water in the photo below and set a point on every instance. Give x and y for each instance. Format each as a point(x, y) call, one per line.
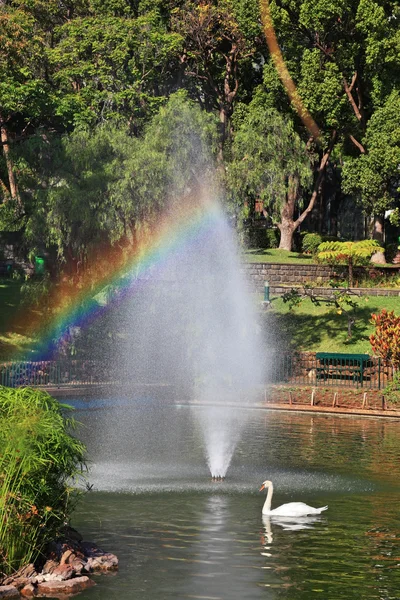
point(178, 535)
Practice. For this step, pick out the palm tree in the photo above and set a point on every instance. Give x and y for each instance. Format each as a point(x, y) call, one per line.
point(350, 253)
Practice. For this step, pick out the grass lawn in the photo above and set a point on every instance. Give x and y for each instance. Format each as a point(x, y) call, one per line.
point(274, 255)
point(319, 328)
point(306, 327)
point(13, 338)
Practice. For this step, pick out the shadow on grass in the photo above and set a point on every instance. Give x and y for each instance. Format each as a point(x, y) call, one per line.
point(313, 332)
point(14, 321)
point(276, 253)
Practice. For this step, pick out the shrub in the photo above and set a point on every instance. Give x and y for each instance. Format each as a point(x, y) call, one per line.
point(311, 241)
point(390, 252)
point(39, 460)
point(385, 341)
point(350, 253)
point(272, 238)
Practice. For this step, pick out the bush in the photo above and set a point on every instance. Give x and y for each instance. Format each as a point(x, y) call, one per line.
point(272, 238)
point(39, 460)
point(262, 237)
point(311, 241)
point(385, 341)
point(390, 252)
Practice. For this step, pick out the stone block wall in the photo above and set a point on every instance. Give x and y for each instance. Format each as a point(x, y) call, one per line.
point(282, 277)
point(278, 274)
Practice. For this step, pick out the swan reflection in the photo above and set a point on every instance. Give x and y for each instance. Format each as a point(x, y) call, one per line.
point(288, 524)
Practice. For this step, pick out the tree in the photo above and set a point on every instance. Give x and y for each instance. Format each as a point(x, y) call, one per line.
point(106, 67)
point(373, 177)
point(270, 162)
point(350, 253)
point(96, 187)
point(339, 300)
point(23, 89)
point(343, 59)
point(220, 39)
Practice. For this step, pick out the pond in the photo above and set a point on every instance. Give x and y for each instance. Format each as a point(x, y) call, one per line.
point(178, 535)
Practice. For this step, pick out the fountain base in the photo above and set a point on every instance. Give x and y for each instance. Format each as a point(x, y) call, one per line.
point(217, 478)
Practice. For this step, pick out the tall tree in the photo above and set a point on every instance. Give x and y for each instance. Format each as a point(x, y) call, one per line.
point(344, 60)
point(270, 163)
point(104, 66)
point(220, 39)
point(374, 176)
point(24, 93)
point(99, 186)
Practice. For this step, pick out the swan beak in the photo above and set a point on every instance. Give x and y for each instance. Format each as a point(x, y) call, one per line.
point(262, 488)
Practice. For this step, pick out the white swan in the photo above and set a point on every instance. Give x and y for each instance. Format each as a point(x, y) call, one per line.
point(291, 509)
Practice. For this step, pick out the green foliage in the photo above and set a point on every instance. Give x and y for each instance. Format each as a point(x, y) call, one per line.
point(373, 177)
point(38, 461)
point(96, 187)
point(342, 252)
point(311, 242)
point(385, 340)
point(272, 238)
point(261, 238)
point(392, 390)
point(267, 154)
point(349, 253)
point(23, 87)
point(107, 66)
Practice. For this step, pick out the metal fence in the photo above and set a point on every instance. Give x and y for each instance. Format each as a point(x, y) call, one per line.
point(54, 373)
point(304, 368)
point(296, 368)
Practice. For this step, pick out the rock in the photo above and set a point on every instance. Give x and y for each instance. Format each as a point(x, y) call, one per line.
point(21, 576)
point(72, 586)
point(62, 573)
point(29, 591)
point(49, 566)
point(9, 591)
point(105, 562)
point(78, 565)
point(28, 571)
point(98, 560)
point(65, 557)
point(18, 582)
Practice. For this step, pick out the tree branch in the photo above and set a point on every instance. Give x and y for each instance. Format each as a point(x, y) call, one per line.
point(321, 171)
point(348, 90)
point(357, 143)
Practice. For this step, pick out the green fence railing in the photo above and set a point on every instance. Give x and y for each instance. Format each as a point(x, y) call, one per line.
point(296, 368)
point(330, 369)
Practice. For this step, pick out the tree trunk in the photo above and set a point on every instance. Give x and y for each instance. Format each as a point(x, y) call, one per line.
point(286, 225)
point(378, 234)
point(318, 181)
point(9, 163)
point(351, 277)
point(286, 229)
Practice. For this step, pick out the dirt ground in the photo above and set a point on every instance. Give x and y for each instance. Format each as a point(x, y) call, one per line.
point(331, 399)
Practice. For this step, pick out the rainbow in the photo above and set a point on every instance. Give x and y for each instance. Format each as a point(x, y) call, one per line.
point(80, 307)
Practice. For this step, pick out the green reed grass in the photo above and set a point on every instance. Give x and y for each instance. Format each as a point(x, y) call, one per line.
point(39, 460)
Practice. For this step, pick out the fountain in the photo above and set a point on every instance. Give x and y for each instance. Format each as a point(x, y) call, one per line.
point(190, 323)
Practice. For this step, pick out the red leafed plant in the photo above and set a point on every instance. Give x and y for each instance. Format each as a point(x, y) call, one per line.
point(385, 341)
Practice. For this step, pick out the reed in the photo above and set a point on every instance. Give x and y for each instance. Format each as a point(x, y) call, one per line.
point(39, 463)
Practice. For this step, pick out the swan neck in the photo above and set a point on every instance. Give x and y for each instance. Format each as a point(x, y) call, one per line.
point(268, 500)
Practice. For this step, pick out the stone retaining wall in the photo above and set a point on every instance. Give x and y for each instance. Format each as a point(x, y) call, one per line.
point(278, 274)
point(282, 276)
